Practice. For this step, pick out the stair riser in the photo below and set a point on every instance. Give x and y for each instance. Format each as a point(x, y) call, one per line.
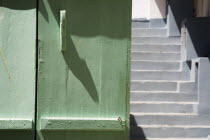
point(162, 108)
point(152, 65)
point(188, 87)
point(156, 56)
point(153, 86)
point(145, 65)
point(157, 40)
point(156, 48)
point(145, 24)
point(170, 120)
point(149, 32)
point(170, 132)
point(164, 97)
point(154, 24)
point(170, 76)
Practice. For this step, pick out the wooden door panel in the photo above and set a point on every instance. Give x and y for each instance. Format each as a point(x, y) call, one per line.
point(17, 69)
point(83, 90)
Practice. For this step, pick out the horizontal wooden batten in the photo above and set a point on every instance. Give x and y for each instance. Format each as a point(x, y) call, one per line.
point(16, 124)
point(82, 124)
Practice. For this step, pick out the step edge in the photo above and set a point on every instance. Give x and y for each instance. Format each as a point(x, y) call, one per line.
point(157, 61)
point(163, 103)
point(155, 52)
point(173, 126)
point(163, 114)
point(155, 44)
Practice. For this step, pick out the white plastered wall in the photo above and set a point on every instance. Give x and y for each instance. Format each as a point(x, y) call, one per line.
point(149, 9)
point(140, 9)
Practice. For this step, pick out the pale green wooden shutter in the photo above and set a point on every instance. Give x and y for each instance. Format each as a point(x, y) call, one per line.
point(17, 69)
point(83, 90)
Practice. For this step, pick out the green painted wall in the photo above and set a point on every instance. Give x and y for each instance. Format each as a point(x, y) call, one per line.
point(17, 69)
point(90, 80)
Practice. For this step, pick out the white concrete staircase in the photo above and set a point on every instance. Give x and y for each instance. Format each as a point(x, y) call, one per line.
point(164, 95)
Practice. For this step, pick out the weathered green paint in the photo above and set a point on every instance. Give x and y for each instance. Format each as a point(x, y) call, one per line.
point(17, 69)
point(16, 124)
point(82, 124)
point(90, 79)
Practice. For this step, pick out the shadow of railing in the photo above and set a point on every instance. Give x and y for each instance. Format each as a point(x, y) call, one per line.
point(196, 39)
point(80, 69)
point(178, 10)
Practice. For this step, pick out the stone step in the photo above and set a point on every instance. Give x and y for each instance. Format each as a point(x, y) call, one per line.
point(157, 40)
point(153, 86)
point(154, 56)
point(159, 65)
point(142, 24)
point(170, 120)
point(152, 65)
point(185, 66)
point(163, 97)
point(169, 131)
point(149, 32)
point(190, 87)
point(161, 107)
point(160, 75)
point(156, 48)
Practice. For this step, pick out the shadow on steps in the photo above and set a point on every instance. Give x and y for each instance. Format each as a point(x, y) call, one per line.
point(136, 132)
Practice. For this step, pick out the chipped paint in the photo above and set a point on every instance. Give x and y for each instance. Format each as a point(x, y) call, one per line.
point(5, 63)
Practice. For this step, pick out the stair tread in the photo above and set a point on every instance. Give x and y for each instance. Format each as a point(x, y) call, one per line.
point(163, 103)
point(162, 37)
point(170, 71)
point(149, 32)
point(169, 132)
point(157, 92)
point(161, 107)
point(156, 56)
point(153, 86)
point(156, 61)
point(174, 126)
point(164, 81)
point(152, 61)
point(170, 120)
point(163, 97)
point(164, 28)
point(155, 52)
point(163, 114)
point(148, 44)
point(160, 75)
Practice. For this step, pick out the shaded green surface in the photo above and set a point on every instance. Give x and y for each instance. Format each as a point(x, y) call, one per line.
point(17, 68)
point(17, 135)
point(83, 124)
point(91, 78)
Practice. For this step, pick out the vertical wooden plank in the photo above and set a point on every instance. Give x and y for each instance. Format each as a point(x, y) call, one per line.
point(17, 69)
point(90, 79)
point(199, 8)
point(209, 8)
point(205, 8)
